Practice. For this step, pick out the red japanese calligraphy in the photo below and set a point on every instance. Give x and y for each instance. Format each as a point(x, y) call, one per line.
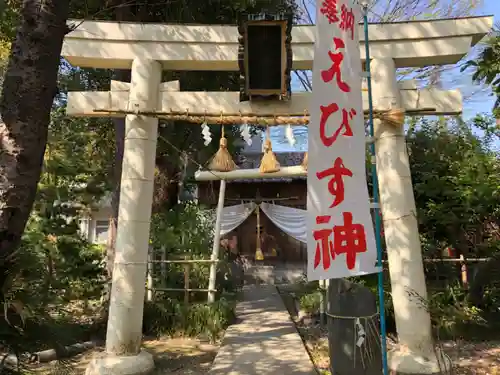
point(349, 239)
point(347, 20)
point(324, 246)
point(336, 183)
point(326, 112)
point(334, 71)
point(329, 10)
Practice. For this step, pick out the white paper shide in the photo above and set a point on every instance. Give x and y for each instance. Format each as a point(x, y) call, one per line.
point(340, 236)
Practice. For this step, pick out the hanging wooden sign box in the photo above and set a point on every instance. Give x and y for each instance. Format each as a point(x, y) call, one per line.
point(265, 57)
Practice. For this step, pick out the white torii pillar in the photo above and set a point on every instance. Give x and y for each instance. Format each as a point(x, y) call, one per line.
point(124, 334)
point(416, 353)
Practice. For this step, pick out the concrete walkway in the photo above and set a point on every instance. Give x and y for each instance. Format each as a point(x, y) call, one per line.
point(263, 340)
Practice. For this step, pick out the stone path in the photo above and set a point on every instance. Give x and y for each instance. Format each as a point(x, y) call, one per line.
point(264, 339)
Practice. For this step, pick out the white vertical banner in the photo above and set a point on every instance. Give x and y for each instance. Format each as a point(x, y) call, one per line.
point(340, 236)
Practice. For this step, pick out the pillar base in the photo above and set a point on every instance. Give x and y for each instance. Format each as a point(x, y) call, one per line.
point(105, 364)
point(401, 361)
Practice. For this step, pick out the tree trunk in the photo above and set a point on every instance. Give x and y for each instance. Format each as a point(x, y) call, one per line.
point(166, 185)
point(29, 88)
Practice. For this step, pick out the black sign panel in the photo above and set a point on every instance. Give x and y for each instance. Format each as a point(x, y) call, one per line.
point(265, 57)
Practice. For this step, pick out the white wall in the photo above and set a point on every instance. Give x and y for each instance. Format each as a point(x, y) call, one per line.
point(94, 227)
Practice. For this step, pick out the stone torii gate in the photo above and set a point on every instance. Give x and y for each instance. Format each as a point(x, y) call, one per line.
point(147, 49)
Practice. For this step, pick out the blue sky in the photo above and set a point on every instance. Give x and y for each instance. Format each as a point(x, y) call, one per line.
point(476, 99)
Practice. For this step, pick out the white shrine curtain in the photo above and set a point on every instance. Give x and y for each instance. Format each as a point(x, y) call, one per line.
point(233, 216)
point(290, 220)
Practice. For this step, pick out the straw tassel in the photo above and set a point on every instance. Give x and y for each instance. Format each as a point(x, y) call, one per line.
point(269, 163)
point(258, 254)
point(395, 117)
point(222, 160)
point(304, 161)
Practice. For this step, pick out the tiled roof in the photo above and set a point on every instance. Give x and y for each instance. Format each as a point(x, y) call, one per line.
point(286, 159)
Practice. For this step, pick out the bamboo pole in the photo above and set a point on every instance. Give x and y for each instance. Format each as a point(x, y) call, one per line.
point(187, 269)
point(184, 289)
point(216, 245)
point(451, 260)
point(295, 171)
point(463, 272)
point(163, 266)
point(322, 304)
point(184, 261)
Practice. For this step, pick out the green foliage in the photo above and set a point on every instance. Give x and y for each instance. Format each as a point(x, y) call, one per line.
point(456, 181)
point(311, 301)
point(451, 311)
point(68, 267)
point(186, 229)
point(486, 68)
point(9, 17)
point(47, 271)
point(8, 20)
point(54, 261)
point(183, 232)
point(308, 294)
point(54, 265)
point(77, 161)
point(73, 177)
point(186, 232)
point(171, 317)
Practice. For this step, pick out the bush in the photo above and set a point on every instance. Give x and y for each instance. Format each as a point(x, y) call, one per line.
point(311, 301)
point(186, 230)
point(49, 268)
point(452, 314)
point(171, 317)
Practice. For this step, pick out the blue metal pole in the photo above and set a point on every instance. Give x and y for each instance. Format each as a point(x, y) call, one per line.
point(378, 225)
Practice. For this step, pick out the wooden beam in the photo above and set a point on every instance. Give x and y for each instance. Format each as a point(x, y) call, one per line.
point(84, 104)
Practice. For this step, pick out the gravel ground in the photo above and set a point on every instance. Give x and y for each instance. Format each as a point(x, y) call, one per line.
point(172, 356)
point(474, 358)
point(469, 358)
